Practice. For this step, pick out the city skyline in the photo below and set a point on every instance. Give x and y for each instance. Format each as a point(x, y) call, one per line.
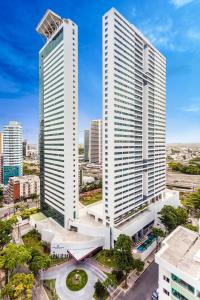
point(175, 35)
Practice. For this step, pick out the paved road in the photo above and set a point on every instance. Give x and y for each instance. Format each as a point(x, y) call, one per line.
point(60, 273)
point(145, 285)
point(9, 210)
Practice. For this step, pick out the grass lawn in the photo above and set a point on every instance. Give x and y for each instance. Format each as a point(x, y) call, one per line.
point(91, 197)
point(76, 280)
point(49, 286)
point(106, 258)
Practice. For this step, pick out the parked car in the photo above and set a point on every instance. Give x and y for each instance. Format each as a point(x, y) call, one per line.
point(154, 295)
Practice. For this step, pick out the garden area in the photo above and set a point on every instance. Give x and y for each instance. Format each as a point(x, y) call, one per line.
point(91, 197)
point(106, 258)
point(76, 280)
point(32, 240)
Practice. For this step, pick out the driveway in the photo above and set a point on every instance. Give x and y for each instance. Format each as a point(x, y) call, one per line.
point(145, 285)
point(60, 274)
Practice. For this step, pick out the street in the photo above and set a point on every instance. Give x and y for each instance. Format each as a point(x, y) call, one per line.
point(9, 209)
point(145, 285)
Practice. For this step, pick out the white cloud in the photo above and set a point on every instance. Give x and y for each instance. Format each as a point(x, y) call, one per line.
point(193, 108)
point(133, 12)
point(180, 3)
point(193, 34)
point(162, 35)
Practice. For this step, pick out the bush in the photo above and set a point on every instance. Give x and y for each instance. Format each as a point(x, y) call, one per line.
point(100, 290)
point(118, 274)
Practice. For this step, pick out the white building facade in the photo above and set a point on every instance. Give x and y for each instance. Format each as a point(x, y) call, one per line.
point(179, 265)
point(59, 118)
point(12, 148)
point(95, 142)
point(134, 96)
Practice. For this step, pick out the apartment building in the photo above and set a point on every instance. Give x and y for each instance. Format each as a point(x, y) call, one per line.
point(134, 120)
point(1, 157)
point(86, 144)
point(95, 142)
point(25, 148)
point(59, 118)
point(12, 148)
point(179, 265)
point(23, 186)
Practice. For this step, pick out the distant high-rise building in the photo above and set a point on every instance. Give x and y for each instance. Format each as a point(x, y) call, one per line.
point(134, 96)
point(1, 143)
point(12, 145)
point(25, 148)
point(86, 144)
point(59, 183)
point(95, 142)
point(1, 157)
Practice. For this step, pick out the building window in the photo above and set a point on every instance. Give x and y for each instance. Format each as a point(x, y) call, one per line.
point(183, 283)
point(165, 278)
point(165, 292)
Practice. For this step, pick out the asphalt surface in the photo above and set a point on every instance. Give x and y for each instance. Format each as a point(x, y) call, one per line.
point(145, 285)
point(9, 210)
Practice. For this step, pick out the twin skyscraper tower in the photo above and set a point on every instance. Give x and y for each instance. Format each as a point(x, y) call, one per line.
point(134, 122)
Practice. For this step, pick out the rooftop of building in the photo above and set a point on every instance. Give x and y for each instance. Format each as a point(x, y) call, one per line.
point(25, 177)
point(49, 24)
point(181, 249)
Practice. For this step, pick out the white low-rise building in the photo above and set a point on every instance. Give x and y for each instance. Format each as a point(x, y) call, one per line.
point(179, 265)
point(89, 232)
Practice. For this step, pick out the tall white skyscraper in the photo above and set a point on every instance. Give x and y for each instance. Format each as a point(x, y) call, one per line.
point(86, 144)
point(95, 142)
point(59, 118)
point(134, 96)
point(12, 149)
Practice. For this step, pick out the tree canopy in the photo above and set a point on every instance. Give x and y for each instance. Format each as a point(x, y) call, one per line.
point(6, 227)
point(172, 217)
point(19, 286)
point(13, 256)
point(192, 202)
point(122, 253)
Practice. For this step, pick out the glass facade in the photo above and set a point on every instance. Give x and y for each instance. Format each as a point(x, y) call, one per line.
point(48, 210)
point(183, 283)
point(178, 295)
point(10, 171)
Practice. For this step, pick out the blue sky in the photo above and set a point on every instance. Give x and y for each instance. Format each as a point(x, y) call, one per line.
point(172, 25)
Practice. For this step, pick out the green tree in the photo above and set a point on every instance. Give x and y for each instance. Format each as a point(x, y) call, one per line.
point(12, 257)
point(111, 280)
point(123, 255)
point(172, 217)
point(158, 232)
point(100, 290)
point(39, 262)
point(182, 216)
point(19, 287)
point(138, 265)
point(6, 228)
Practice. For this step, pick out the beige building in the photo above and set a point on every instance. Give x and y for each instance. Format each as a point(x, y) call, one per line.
point(23, 186)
